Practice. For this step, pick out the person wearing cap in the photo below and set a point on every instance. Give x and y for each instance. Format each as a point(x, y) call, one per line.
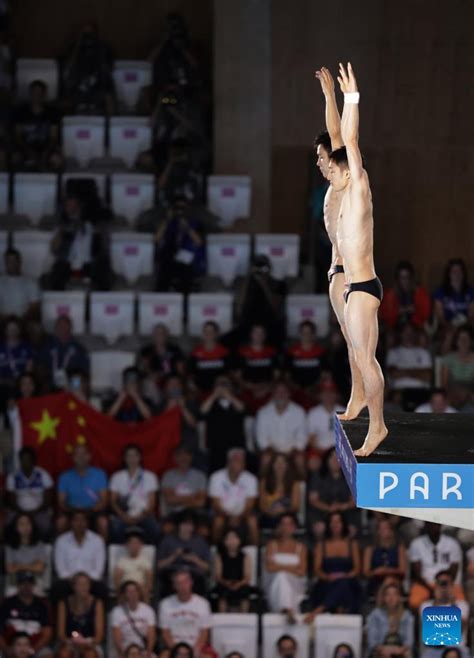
point(262, 302)
point(134, 565)
point(233, 492)
point(26, 611)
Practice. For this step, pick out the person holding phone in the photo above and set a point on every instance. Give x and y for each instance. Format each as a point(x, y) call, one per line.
point(130, 406)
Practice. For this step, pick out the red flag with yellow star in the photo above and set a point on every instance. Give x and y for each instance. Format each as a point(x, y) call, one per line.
point(54, 424)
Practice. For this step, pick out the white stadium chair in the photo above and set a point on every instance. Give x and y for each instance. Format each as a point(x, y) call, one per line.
point(132, 194)
point(235, 632)
point(130, 76)
point(35, 248)
point(107, 367)
point(276, 625)
point(129, 136)
point(71, 303)
point(112, 314)
point(100, 181)
point(314, 308)
point(28, 70)
point(116, 551)
point(4, 193)
point(331, 630)
point(283, 250)
point(229, 197)
point(83, 138)
point(160, 308)
point(132, 255)
point(204, 307)
point(228, 255)
point(35, 195)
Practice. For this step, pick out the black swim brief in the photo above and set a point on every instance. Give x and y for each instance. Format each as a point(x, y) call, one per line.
point(372, 287)
point(337, 269)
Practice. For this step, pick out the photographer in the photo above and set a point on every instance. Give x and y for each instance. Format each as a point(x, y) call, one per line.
point(130, 406)
point(180, 252)
point(262, 303)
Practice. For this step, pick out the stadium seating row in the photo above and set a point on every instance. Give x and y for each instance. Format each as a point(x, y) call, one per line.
point(35, 195)
point(112, 314)
point(130, 76)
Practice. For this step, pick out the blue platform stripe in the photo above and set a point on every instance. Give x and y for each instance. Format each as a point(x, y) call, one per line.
point(346, 457)
point(415, 485)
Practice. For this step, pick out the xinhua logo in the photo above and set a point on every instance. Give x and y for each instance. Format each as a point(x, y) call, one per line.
point(441, 626)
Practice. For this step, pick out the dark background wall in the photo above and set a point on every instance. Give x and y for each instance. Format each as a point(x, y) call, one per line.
point(415, 64)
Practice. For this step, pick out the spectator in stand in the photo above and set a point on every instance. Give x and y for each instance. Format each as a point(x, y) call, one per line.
point(62, 353)
point(343, 650)
point(287, 647)
point(134, 651)
point(134, 566)
point(175, 395)
point(257, 364)
point(26, 612)
point(81, 617)
point(183, 487)
point(390, 627)
point(180, 250)
point(23, 552)
point(262, 302)
point(233, 492)
point(306, 359)
point(133, 492)
point(36, 133)
point(209, 359)
point(454, 299)
point(406, 302)
point(130, 405)
point(232, 574)
point(79, 550)
point(80, 244)
point(328, 492)
point(279, 491)
point(133, 622)
point(457, 373)
point(429, 554)
point(223, 413)
point(286, 563)
point(16, 357)
point(83, 487)
point(470, 576)
point(281, 427)
point(19, 294)
point(88, 86)
point(161, 358)
point(30, 491)
point(409, 365)
point(184, 550)
point(438, 404)
point(180, 650)
point(184, 616)
point(337, 568)
point(321, 420)
point(179, 176)
point(444, 595)
point(384, 558)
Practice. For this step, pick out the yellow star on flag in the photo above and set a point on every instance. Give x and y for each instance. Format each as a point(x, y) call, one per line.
point(81, 421)
point(71, 405)
point(46, 427)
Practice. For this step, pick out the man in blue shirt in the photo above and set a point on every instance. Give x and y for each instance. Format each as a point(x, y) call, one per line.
point(83, 487)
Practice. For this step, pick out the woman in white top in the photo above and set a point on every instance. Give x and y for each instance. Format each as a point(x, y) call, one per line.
point(133, 622)
point(285, 565)
point(133, 498)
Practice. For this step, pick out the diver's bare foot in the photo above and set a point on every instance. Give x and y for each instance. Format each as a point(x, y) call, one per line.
point(372, 440)
point(353, 410)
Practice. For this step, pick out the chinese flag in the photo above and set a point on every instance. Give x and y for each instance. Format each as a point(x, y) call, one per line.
point(54, 424)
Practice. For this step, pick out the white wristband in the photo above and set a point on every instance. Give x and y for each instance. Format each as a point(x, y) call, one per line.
point(352, 98)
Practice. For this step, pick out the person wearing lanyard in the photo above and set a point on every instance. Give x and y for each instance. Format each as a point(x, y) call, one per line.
point(15, 354)
point(83, 487)
point(62, 353)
